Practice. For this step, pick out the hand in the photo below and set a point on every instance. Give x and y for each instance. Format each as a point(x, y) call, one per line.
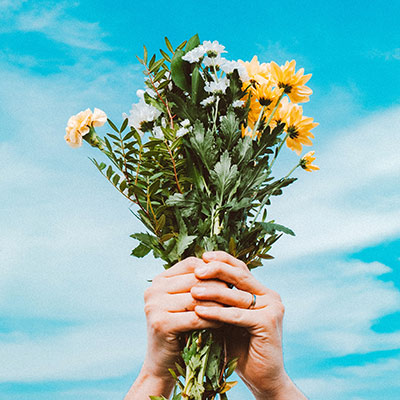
point(169, 309)
point(257, 339)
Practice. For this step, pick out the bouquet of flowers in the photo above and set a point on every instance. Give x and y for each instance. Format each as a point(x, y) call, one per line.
point(195, 157)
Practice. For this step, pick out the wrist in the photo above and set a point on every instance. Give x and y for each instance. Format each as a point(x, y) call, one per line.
point(282, 389)
point(147, 384)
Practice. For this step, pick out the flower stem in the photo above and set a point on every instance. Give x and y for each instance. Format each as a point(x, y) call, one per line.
point(275, 108)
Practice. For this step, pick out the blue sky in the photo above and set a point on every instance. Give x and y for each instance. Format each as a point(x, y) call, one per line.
point(71, 321)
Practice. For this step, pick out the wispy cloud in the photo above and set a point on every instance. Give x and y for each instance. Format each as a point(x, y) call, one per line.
point(64, 238)
point(54, 21)
point(387, 55)
point(352, 201)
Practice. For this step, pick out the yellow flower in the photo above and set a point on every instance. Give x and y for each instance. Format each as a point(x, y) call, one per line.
point(298, 129)
point(265, 94)
point(79, 125)
point(282, 113)
point(292, 83)
point(306, 162)
point(246, 131)
point(258, 73)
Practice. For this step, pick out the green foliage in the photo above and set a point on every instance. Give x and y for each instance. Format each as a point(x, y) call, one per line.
point(200, 191)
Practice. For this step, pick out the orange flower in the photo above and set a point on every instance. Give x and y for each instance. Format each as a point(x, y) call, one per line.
point(298, 129)
point(292, 83)
point(306, 162)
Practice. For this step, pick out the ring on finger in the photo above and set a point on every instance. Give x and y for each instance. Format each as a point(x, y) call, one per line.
point(253, 301)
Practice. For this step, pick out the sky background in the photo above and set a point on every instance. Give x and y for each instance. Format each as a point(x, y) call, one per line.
point(71, 320)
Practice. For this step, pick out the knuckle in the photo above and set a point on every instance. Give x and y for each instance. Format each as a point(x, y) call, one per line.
point(276, 296)
point(158, 325)
point(236, 315)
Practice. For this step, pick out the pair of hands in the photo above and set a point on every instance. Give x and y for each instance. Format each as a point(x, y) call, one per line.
point(193, 295)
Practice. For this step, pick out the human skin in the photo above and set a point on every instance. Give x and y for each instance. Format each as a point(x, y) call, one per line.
point(189, 296)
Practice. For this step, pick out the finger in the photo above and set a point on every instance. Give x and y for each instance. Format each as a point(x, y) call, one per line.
point(270, 317)
point(225, 296)
point(180, 283)
point(229, 315)
point(182, 267)
point(238, 277)
point(182, 302)
point(188, 321)
point(225, 257)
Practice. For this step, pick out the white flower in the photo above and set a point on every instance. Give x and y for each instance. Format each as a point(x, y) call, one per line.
point(213, 49)
point(185, 123)
point(181, 131)
point(194, 56)
point(141, 112)
point(158, 132)
point(229, 66)
point(207, 101)
point(213, 61)
point(99, 117)
point(238, 103)
point(217, 87)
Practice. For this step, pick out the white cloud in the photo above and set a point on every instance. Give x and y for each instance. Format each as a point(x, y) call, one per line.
point(355, 382)
point(55, 23)
point(64, 239)
point(331, 305)
point(393, 54)
point(90, 352)
point(353, 200)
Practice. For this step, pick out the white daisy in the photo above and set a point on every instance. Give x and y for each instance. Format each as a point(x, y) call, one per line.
point(238, 104)
point(185, 123)
point(213, 49)
point(217, 87)
point(141, 112)
point(207, 101)
point(181, 131)
point(194, 56)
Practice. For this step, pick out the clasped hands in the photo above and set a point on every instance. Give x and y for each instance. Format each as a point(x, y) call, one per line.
point(194, 294)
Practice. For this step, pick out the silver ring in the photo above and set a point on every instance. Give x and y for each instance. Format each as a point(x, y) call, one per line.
point(253, 302)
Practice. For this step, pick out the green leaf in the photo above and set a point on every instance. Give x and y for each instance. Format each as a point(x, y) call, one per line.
point(156, 65)
point(165, 55)
point(271, 228)
point(183, 242)
point(112, 125)
point(197, 80)
point(124, 125)
point(140, 251)
point(144, 54)
point(224, 174)
point(169, 45)
point(178, 72)
point(115, 179)
point(193, 42)
point(109, 172)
